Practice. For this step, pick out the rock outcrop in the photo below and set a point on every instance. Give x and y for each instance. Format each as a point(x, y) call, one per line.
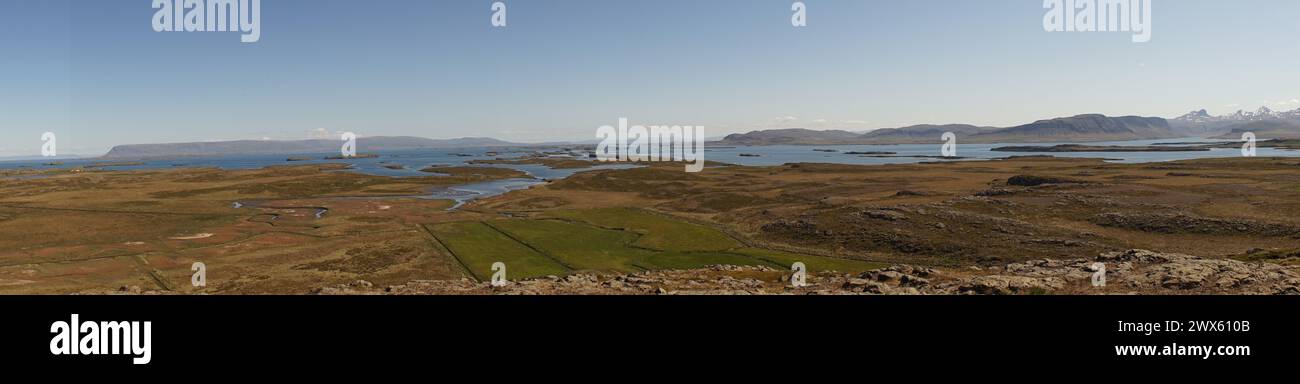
point(1129, 272)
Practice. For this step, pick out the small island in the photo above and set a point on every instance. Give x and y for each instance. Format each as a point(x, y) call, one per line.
point(115, 164)
point(1095, 148)
point(360, 156)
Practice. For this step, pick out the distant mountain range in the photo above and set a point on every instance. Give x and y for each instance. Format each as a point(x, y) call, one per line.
point(266, 147)
point(1265, 123)
point(794, 136)
point(1263, 129)
point(1081, 128)
point(1263, 113)
point(925, 133)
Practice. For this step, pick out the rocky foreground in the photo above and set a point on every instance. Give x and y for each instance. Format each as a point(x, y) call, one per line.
point(1130, 272)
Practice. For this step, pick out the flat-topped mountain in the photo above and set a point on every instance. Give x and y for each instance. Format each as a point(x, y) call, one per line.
point(266, 147)
point(924, 133)
point(1081, 128)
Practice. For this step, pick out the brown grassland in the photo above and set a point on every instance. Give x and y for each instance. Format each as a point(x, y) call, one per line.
point(94, 231)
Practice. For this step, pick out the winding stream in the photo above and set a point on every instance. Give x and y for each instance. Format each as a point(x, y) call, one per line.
point(463, 193)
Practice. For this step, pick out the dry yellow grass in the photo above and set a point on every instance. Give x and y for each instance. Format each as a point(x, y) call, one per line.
point(99, 230)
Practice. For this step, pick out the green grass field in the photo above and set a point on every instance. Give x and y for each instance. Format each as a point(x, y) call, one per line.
point(612, 240)
point(657, 232)
point(582, 247)
point(478, 246)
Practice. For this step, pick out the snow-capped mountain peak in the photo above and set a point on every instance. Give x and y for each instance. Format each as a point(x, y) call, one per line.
point(1263, 113)
point(1196, 116)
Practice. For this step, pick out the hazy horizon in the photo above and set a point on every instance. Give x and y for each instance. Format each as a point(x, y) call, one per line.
point(95, 73)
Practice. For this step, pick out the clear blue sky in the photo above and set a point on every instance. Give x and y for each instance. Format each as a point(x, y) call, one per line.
point(95, 72)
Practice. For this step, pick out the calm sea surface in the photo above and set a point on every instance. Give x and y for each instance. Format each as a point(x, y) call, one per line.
point(412, 161)
point(782, 154)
